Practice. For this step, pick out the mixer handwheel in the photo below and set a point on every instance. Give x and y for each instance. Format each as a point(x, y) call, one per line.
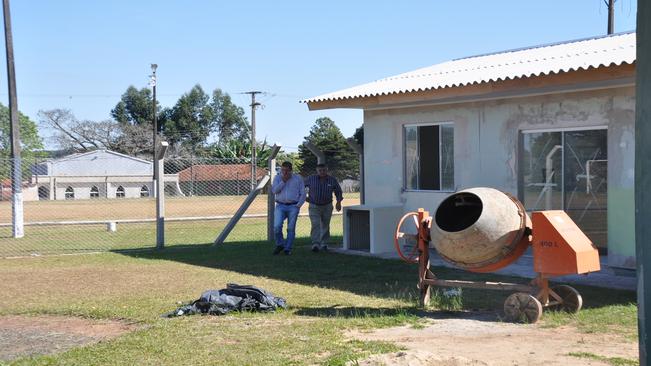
point(411, 221)
point(522, 307)
point(572, 300)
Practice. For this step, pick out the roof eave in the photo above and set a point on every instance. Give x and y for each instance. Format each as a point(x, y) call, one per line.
point(601, 77)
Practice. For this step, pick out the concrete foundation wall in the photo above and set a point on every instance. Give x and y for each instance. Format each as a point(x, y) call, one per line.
point(486, 150)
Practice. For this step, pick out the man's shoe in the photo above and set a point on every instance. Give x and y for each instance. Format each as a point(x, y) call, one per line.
point(277, 250)
point(315, 248)
point(288, 252)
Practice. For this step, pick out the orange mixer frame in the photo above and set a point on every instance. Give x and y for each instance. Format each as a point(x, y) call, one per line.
point(559, 248)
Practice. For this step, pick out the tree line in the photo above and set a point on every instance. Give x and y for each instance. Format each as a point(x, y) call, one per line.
point(186, 126)
point(198, 125)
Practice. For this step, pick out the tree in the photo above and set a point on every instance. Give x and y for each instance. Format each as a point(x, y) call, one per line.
point(230, 120)
point(230, 149)
point(190, 121)
point(30, 141)
point(359, 135)
point(292, 157)
point(135, 107)
point(31, 144)
point(239, 150)
point(85, 135)
point(341, 159)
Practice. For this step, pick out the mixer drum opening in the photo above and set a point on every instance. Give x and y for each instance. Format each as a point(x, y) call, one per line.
point(479, 229)
point(458, 212)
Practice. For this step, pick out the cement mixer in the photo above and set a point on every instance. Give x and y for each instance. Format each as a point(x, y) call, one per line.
point(483, 230)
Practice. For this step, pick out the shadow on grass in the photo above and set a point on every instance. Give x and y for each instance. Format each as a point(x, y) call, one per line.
point(367, 276)
point(366, 312)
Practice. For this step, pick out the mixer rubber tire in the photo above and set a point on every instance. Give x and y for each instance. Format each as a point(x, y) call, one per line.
point(522, 307)
point(572, 300)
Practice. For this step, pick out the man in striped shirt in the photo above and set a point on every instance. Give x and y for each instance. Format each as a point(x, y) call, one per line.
point(321, 187)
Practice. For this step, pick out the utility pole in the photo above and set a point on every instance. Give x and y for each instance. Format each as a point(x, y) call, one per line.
point(16, 174)
point(254, 104)
point(643, 179)
point(152, 82)
point(611, 16)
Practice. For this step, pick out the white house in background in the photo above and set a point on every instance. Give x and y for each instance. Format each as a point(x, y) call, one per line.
point(552, 125)
point(98, 174)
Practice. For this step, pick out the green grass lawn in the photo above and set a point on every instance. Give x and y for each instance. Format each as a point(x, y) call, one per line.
point(327, 294)
point(75, 238)
point(47, 240)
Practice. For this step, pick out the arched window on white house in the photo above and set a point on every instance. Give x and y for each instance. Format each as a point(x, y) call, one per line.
point(119, 193)
point(144, 191)
point(70, 193)
point(94, 192)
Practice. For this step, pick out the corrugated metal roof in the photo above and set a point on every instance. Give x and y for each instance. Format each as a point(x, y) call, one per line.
point(525, 62)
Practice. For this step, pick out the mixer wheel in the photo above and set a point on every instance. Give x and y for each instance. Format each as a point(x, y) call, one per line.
point(572, 300)
point(408, 234)
point(522, 307)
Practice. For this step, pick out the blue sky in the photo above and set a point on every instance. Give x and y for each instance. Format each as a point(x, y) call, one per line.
point(82, 54)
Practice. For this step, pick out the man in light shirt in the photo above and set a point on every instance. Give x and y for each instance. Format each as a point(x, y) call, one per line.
point(289, 192)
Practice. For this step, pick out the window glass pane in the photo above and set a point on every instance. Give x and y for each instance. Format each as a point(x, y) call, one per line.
point(586, 182)
point(428, 158)
point(447, 157)
point(541, 169)
point(411, 157)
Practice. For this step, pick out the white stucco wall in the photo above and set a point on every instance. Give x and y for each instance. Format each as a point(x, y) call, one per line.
point(82, 189)
point(486, 148)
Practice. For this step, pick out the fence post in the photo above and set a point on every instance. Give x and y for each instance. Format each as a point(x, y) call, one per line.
point(320, 156)
point(160, 198)
point(271, 203)
point(192, 176)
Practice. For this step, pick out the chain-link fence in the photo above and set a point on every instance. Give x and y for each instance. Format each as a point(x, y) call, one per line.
point(101, 201)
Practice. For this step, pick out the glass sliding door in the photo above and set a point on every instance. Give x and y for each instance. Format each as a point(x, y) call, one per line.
point(568, 170)
point(586, 182)
point(542, 171)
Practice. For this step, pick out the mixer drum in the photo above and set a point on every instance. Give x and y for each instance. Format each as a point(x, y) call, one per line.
point(480, 229)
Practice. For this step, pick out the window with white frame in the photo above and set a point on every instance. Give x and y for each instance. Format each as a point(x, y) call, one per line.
point(119, 193)
point(429, 157)
point(144, 191)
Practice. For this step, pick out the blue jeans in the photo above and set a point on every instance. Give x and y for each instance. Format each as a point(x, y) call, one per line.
point(282, 212)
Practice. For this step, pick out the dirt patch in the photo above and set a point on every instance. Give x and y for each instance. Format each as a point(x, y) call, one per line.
point(479, 341)
point(22, 336)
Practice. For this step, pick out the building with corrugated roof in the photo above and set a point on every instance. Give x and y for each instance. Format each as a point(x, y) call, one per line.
point(98, 174)
point(552, 124)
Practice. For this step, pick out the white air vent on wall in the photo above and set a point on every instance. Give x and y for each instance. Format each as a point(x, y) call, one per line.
point(370, 228)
